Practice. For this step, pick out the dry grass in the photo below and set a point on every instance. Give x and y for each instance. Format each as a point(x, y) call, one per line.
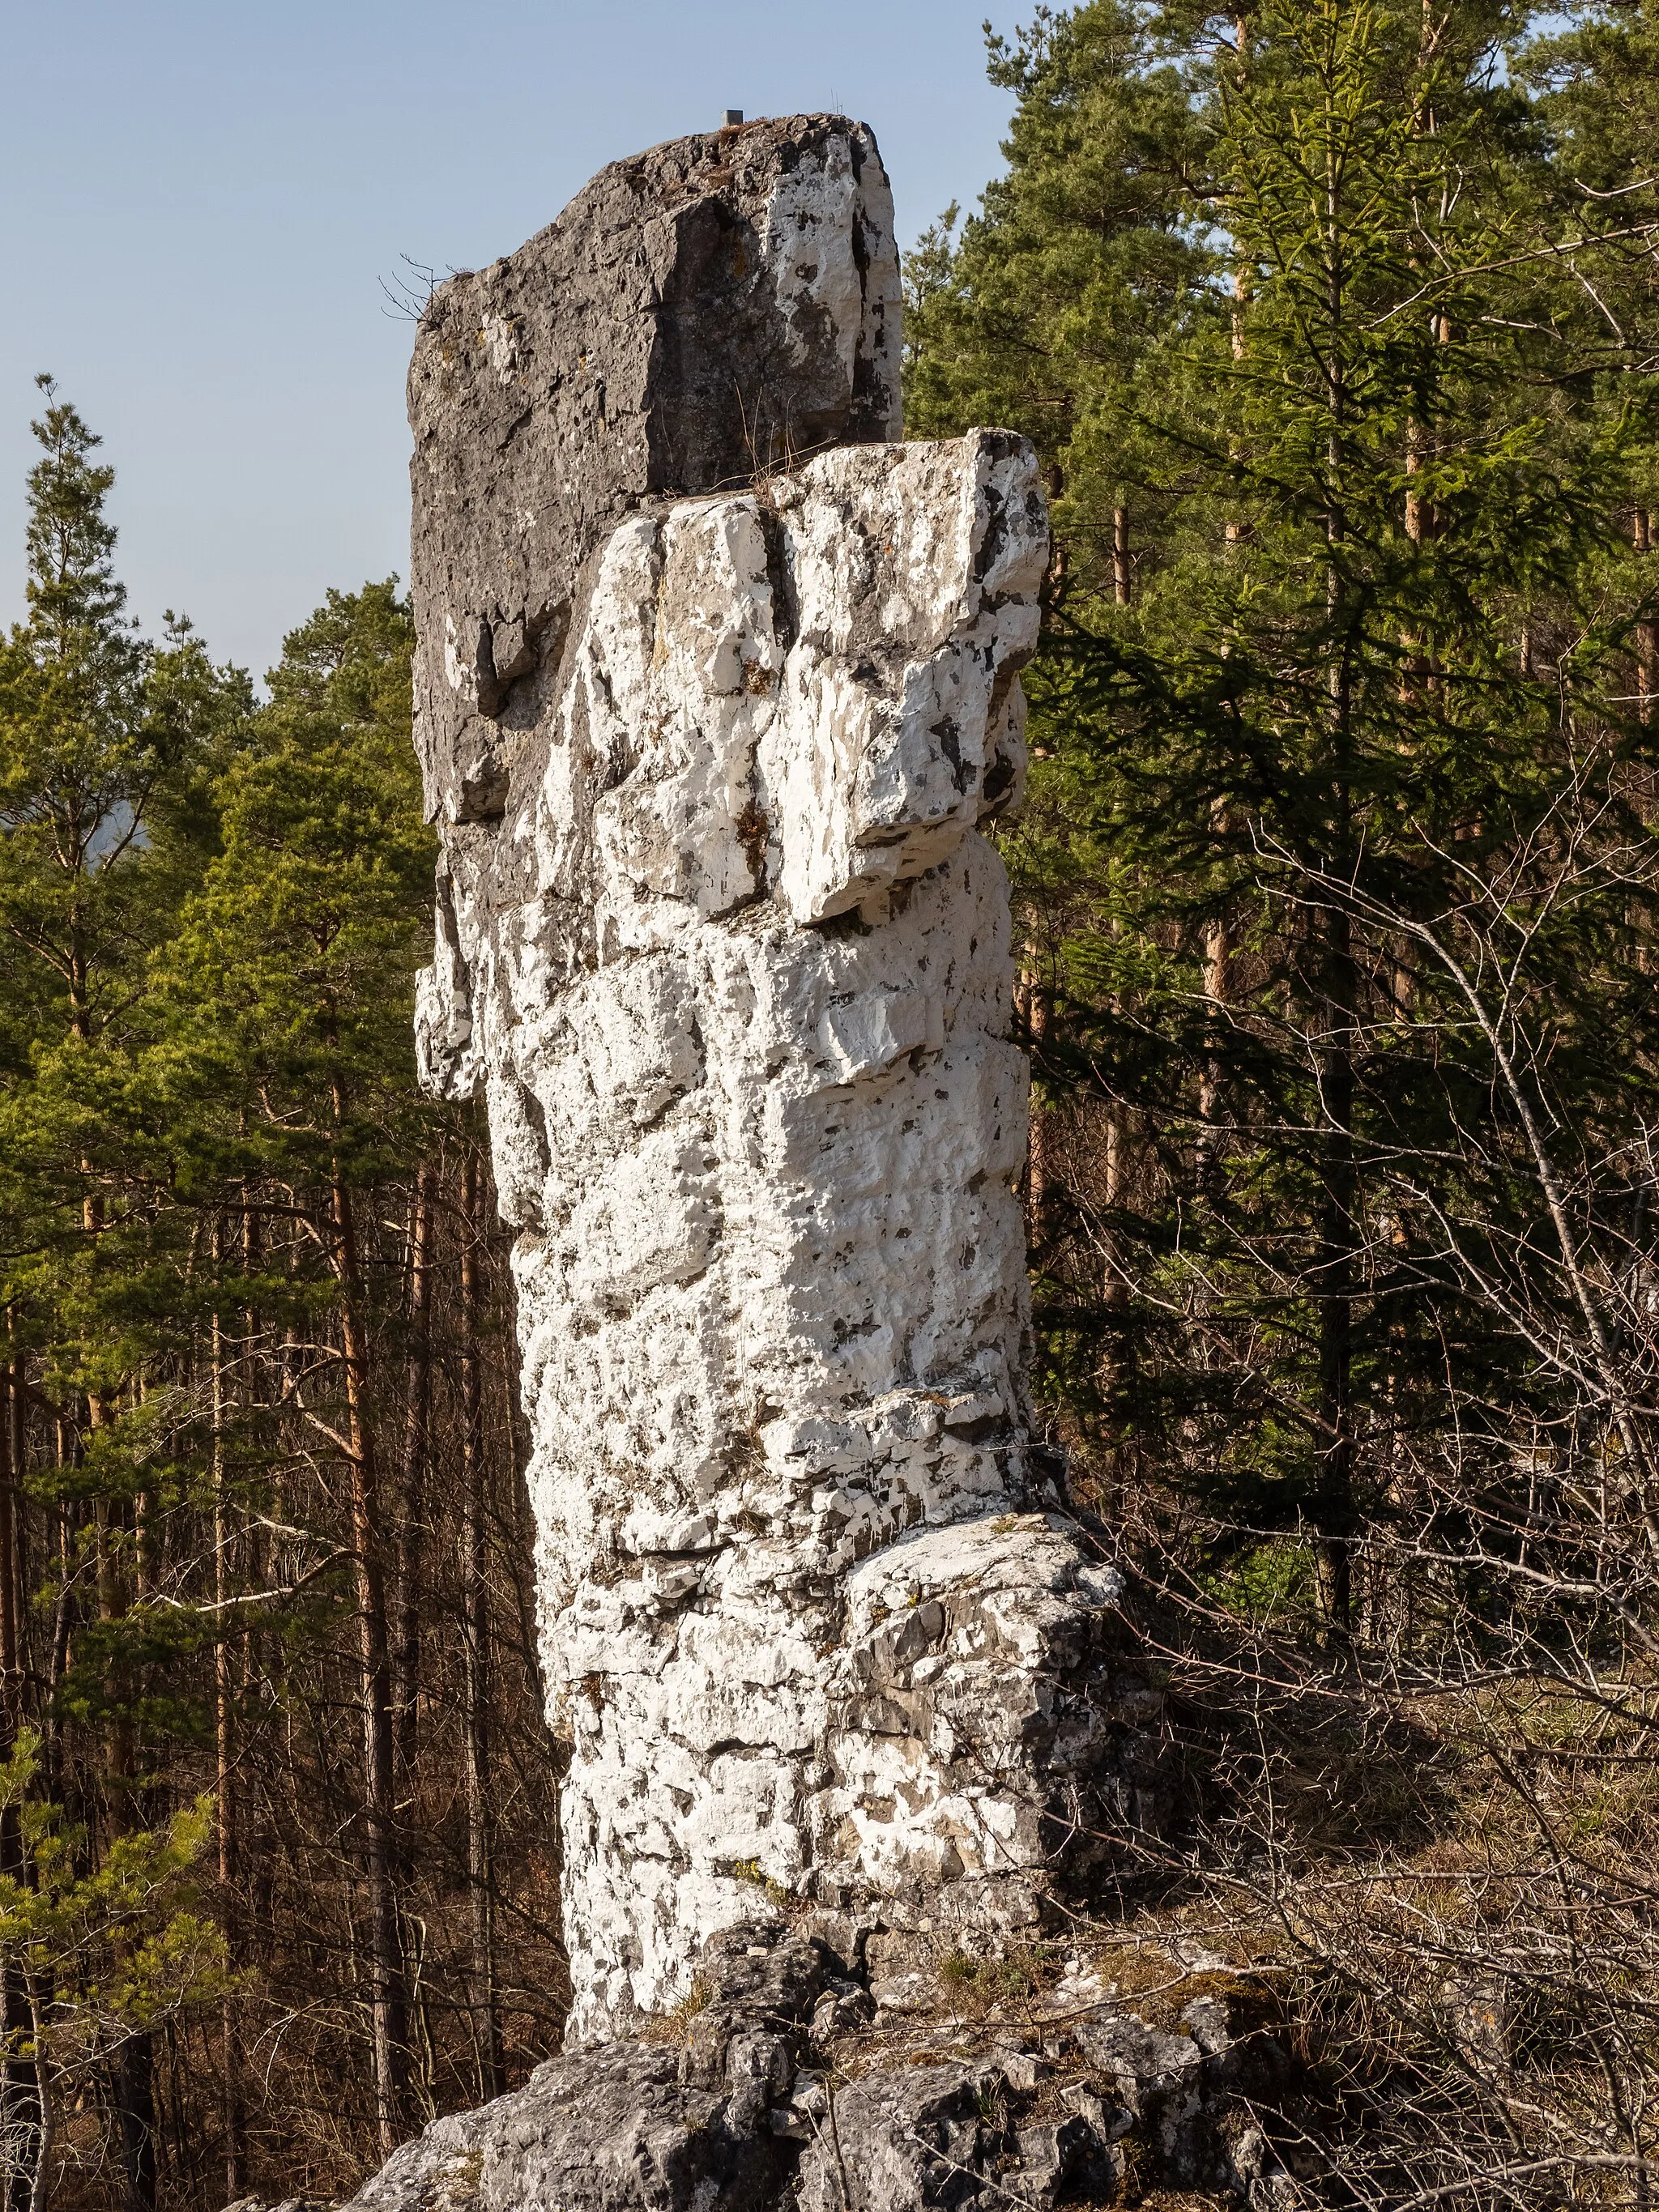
point(674, 2024)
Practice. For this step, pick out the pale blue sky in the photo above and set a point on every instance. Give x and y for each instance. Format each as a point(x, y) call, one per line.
point(199, 197)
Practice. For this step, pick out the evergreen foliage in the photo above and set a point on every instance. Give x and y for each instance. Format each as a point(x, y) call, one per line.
point(1376, 636)
point(240, 1611)
point(1334, 324)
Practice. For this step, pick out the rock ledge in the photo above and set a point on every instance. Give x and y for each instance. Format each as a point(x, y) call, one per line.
point(778, 2086)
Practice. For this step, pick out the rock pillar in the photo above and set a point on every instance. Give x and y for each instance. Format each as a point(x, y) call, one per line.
point(717, 690)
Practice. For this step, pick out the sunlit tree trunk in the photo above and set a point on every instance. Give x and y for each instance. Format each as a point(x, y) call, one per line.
point(1035, 1007)
point(225, 1746)
point(475, 1599)
point(20, 2088)
point(388, 1999)
point(406, 1653)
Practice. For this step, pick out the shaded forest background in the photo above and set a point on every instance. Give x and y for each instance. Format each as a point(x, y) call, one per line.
point(1336, 327)
point(278, 1834)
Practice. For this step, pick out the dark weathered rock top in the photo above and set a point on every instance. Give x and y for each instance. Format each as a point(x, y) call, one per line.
point(699, 315)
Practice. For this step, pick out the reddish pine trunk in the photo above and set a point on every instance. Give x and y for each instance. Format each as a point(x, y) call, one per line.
point(406, 1652)
point(475, 1591)
point(388, 2001)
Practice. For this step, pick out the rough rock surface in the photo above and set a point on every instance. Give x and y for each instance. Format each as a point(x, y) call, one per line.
point(698, 314)
point(769, 2092)
point(710, 741)
point(700, 2118)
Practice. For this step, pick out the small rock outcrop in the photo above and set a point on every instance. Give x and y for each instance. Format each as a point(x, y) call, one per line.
point(717, 688)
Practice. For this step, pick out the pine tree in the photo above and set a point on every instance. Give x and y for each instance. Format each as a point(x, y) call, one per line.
point(79, 763)
point(1053, 311)
point(293, 987)
point(100, 736)
point(246, 1339)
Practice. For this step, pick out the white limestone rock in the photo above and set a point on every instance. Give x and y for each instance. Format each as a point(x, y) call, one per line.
point(757, 1121)
point(721, 945)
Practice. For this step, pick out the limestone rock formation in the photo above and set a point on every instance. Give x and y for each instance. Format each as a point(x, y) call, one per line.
point(711, 731)
point(771, 2093)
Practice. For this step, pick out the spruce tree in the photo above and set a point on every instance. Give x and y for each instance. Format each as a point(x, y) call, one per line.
point(1052, 311)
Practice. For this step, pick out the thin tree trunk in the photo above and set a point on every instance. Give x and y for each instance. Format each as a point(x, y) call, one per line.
point(1218, 967)
point(225, 1742)
point(406, 1652)
point(1334, 1492)
point(388, 2000)
point(132, 2076)
point(112, 1608)
point(41, 2181)
point(1218, 940)
point(57, 1655)
point(1035, 999)
point(11, 1471)
point(1058, 561)
point(1333, 1285)
point(132, 2067)
point(20, 1448)
point(19, 2087)
point(1647, 632)
point(475, 1599)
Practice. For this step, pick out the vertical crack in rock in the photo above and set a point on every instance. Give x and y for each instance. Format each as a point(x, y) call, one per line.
point(717, 687)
